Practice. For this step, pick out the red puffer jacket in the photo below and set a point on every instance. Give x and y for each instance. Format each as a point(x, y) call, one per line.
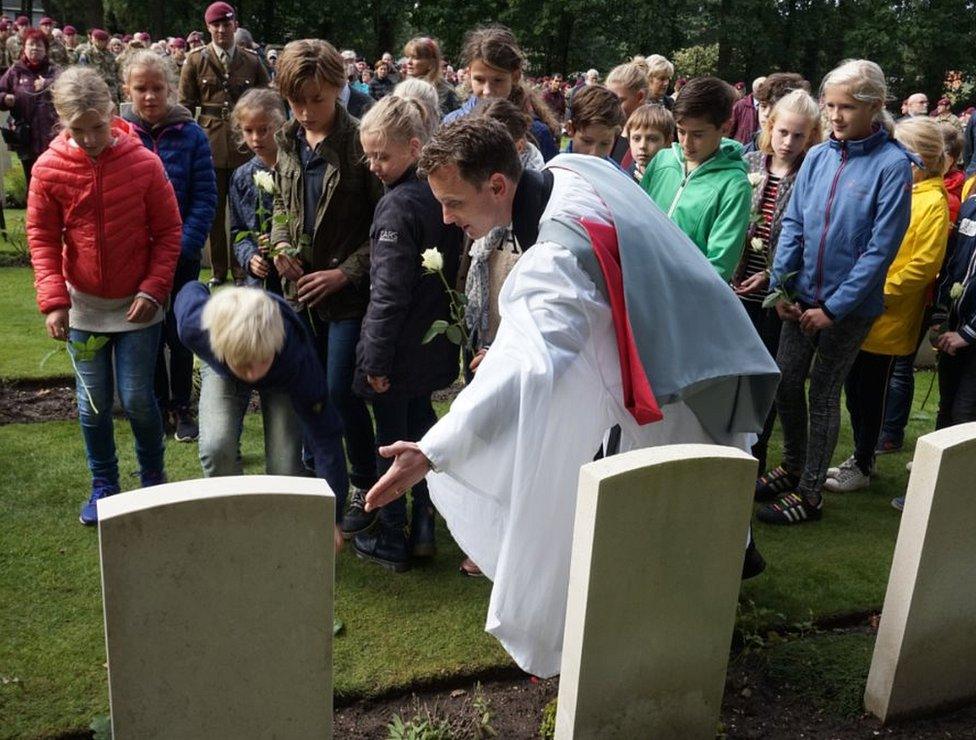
point(109, 226)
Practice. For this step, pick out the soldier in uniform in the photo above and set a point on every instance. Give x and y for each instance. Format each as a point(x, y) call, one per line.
point(55, 49)
point(213, 78)
point(97, 55)
point(5, 34)
point(15, 44)
point(70, 35)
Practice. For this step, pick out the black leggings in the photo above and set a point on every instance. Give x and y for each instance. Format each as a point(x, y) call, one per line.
point(957, 387)
point(866, 387)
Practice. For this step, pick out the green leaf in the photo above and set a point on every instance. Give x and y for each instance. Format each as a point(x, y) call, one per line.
point(772, 299)
point(96, 342)
point(49, 355)
point(337, 626)
point(454, 333)
point(461, 298)
point(438, 327)
point(241, 236)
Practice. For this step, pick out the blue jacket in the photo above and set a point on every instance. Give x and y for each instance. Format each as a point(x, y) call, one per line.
point(842, 228)
point(540, 132)
point(296, 370)
point(185, 151)
point(959, 314)
point(242, 197)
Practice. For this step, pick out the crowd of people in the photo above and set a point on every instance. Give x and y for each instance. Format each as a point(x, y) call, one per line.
point(846, 236)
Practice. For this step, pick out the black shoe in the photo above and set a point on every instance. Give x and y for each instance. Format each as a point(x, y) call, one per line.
point(793, 508)
point(422, 532)
point(356, 519)
point(187, 429)
point(169, 420)
point(386, 546)
point(775, 484)
point(754, 562)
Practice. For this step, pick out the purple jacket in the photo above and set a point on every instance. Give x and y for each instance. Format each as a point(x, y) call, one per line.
point(31, 106)
point(745, 120)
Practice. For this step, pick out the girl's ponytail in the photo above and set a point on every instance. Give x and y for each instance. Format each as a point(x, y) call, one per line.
point(866, 82)
point(398, 119)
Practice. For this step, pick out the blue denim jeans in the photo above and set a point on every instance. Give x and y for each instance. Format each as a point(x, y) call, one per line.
point(134, 354)
point(405, 419)
point(223, 403)
point(337, 342)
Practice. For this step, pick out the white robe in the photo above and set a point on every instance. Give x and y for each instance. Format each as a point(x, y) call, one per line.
point(507, 455)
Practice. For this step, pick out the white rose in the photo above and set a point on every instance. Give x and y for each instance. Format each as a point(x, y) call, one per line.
point(756, 244)
point(755, 178)
point(264, 181)
point(955, 292)
point(432, 260)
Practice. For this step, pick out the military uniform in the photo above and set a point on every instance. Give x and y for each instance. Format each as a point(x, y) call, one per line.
point(58, 54)
point(14, 47)
point(206, 83)
point(103, 61)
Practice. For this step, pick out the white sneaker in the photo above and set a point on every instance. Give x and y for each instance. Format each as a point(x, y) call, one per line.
point(848, 464)
point(908, 466)
point(848, 479)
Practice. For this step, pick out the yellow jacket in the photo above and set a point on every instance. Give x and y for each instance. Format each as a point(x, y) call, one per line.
point(915, 268)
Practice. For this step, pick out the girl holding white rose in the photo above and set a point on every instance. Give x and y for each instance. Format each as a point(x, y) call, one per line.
point(395, 369)
point(256, 118)
point(791, 128)
point(168, 129)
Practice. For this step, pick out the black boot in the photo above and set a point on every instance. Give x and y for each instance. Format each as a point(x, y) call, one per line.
point(356, 518)
point(754, 562)
point(386, 546)
point(422, 532)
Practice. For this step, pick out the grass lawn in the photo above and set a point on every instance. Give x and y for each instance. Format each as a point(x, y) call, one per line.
point(399, 629)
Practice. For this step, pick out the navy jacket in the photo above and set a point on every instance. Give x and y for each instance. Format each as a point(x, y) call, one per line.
point(959, 314)
point(296, 370)
point(243, 199)
point(851, 204)
point(404, 300)
point(185, 151)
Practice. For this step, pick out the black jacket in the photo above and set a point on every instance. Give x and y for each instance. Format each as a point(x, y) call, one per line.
point(404, 301)
point(358, 103)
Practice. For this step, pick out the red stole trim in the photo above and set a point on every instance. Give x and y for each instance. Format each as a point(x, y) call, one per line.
point(638, 396)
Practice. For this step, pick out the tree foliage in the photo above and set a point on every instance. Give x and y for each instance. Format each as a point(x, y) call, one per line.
point(915, 41)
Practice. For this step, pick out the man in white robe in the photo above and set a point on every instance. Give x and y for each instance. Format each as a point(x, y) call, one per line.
point(503, 464)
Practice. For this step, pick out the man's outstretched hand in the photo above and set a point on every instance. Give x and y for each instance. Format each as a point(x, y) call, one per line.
point(408, 469)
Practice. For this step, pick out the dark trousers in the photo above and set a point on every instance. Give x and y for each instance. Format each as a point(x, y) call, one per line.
point(808, 444)
point(957, 388)
point(769, 326)
point(28, 165)
point(901, 391)
point(222, 258)
point(866, 388)
point(174, 384)
point(407, 419)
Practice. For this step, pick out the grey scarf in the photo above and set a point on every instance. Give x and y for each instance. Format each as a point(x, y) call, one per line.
point(476, 286)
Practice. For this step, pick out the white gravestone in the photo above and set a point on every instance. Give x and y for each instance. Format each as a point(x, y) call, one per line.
point(218, 608)
point(925, 654)
point(658, 546)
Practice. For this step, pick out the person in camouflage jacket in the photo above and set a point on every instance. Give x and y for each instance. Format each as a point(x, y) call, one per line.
point(96, 54)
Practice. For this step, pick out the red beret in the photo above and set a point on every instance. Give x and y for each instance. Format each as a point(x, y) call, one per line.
point(99, 34)
point(46, 21)
point(22, 20)
point(219, 11)
point(69, 31)
point(4, 24)
point(178, 43)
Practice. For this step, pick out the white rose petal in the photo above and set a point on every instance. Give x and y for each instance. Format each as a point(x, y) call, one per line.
point(955, 292)
point(755, 178)
point(264, 181)
point(756, 244)
point(432, 260)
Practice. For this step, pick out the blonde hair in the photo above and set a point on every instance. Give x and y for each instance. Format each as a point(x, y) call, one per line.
point(801, 103)
point(396, 118)
point(257, 100)
point(659, 66)
point(866, 83)
point(923, 136)
point(655, 117)
point(425, 94)
point(245, 325)
point(152, 62)
point(80, 90)
point(634, 75)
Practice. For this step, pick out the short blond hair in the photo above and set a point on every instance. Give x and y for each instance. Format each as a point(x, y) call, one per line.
point(923, 136)
point(245, 326)
point(80, 90)
point(634, 75)
point(152, 62)
point(659, 66)
point(397, 119)
point(801, 103)
point(652, 116)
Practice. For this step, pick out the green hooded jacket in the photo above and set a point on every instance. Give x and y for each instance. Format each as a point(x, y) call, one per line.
point(711, 205)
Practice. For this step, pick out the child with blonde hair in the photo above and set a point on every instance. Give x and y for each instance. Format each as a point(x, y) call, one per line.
point(848, 215)
point(649, 129)
point(252, 338)
point(168, 129)
point(789, 130)
point(396, 369)
point(629, 82)
point(894, 333)
point(103, 227)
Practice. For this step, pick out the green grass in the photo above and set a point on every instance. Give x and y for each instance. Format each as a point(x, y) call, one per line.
point(400, 629)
